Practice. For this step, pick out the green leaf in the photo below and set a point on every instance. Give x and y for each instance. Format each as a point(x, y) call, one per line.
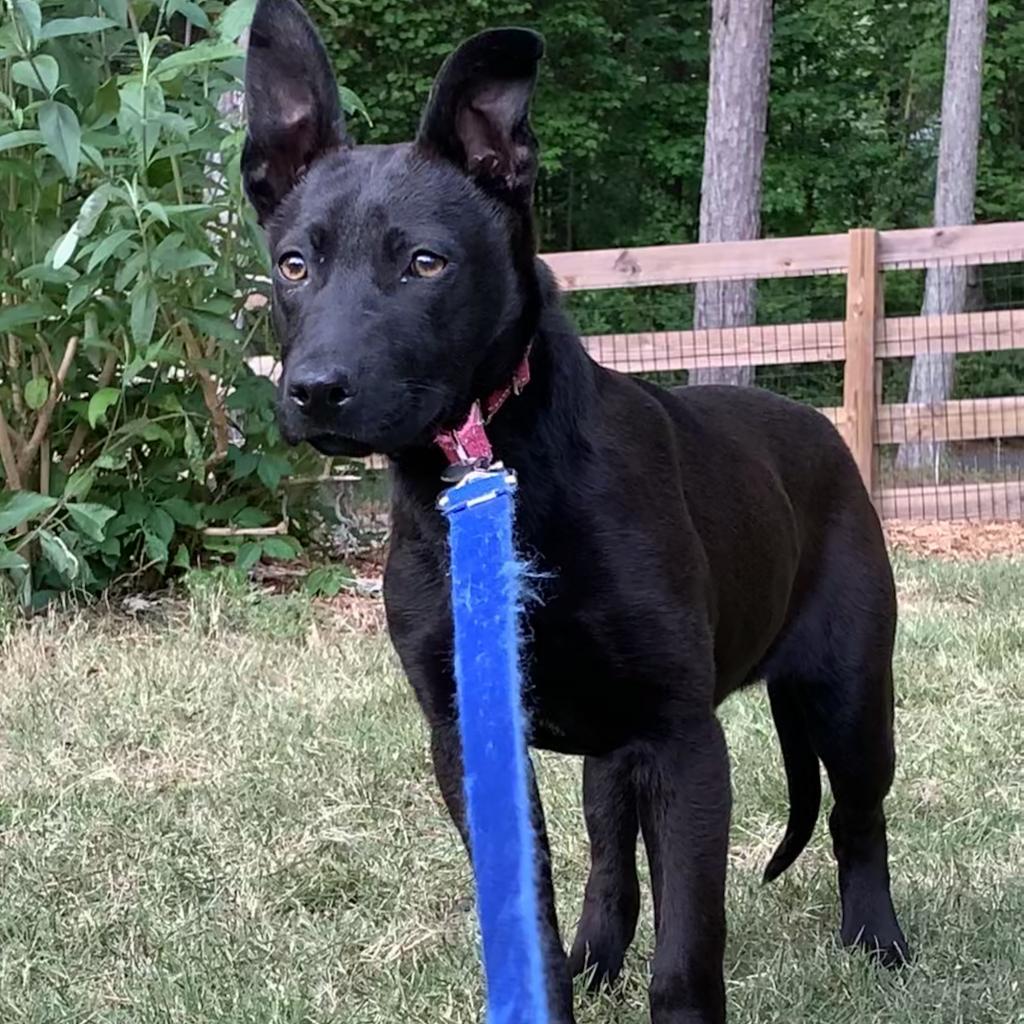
point(281, 547)
point(161, 523)
point(116, 9)
point(26, 313)
point(62, 134)
point(91, 211)
point(18, 507)
point(248, 555)
point(158, 211)
point(81, 290)
point(182, 559)
point(156, 547)
point(74, 26)
point(11, 560)
point(182, 511)
point(107, 248)
point(271, 469)
point(235, 19)
point(244, 463)
point(139, 111)
point(176, 260)
point(190, 11)
point(37, 390)
point(206, 52)
point(65, 248)
point(217, 327)
point(129, 270)
point(45, 273)
point(30, 17)
point(41, 73)
point(194, 452)
point(352, 104)
point(328, 581)
point(12, 140)
point(116, 459)
point(91, 518)
point(79, 484)
point(250, 516)
point(59, 555)
point(100, 402)
point(143, 312)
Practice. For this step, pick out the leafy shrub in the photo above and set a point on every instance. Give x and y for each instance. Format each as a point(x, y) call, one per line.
point(129, 420)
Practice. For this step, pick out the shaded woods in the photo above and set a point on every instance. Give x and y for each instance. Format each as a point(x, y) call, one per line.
point(853, 119)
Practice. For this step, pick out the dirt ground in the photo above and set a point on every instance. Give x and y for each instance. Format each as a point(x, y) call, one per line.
point(957, 541)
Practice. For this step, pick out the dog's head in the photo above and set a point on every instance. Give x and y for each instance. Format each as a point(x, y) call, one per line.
point(404, 282)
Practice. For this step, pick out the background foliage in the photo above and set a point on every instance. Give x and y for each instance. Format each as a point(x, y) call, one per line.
point(131, 423)
point(127, 249)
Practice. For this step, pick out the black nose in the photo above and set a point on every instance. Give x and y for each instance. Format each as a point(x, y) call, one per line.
point(319, 392)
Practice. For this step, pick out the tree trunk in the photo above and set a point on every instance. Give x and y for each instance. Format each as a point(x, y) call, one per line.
point(734, 140)
point(945, 292)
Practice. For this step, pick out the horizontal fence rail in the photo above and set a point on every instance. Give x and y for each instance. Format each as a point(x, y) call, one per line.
point(816, 342)
point(859, 344)
point(647, 266)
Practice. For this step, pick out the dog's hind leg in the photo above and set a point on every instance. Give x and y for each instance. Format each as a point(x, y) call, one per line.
point(850, 719)
point(447, 757)
point(612, 900)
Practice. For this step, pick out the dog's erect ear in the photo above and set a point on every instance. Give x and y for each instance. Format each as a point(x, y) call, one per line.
point(292, 103)
point(478, 114)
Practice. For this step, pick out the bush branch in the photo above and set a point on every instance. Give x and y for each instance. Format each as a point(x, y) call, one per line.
point(211, 396)
point(82, 430)
point(28, 454)
point(10, 464)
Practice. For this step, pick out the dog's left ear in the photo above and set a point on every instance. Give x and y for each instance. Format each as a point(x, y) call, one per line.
point(478, 114)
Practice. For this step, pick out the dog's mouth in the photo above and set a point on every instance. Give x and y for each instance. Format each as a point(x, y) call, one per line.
point(337, 444)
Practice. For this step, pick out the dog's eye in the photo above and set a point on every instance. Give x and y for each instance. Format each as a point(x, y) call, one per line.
point(292, 267)
point(427, 264)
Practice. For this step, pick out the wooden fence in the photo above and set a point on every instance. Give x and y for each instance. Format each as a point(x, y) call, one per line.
point(861, 342)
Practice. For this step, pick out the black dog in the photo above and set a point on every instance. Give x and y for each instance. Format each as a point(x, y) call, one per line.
point(695, 541)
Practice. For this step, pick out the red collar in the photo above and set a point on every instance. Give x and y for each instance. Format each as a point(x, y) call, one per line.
point(468, 445)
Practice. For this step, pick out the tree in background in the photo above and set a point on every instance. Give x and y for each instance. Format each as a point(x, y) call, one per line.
point(730, 206)
point(931, 379)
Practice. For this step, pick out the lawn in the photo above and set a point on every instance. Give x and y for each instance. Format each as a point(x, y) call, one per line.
point(222, 810)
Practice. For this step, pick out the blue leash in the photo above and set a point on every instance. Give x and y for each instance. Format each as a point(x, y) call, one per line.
point(486, 598)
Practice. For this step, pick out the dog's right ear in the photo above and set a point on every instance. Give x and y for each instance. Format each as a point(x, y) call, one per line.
point(291, 99)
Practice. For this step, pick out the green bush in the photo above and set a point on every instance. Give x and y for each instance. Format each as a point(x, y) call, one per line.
point(129, 420)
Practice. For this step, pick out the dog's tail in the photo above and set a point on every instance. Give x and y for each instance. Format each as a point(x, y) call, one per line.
point(803, 777)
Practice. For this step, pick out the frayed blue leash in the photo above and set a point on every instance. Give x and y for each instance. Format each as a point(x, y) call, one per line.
point(486, 597)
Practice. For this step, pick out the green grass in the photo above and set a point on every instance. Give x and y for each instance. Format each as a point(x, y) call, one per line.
point(225, 812)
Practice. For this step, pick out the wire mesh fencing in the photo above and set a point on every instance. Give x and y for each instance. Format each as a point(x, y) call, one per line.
point(950, 423)
point(938, 396)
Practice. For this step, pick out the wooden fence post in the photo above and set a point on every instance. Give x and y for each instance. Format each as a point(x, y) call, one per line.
point(864, 311)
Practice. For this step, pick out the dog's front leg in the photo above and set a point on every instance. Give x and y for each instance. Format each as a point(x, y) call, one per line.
point(447, 756)
point(612, 900)
point(685, 801)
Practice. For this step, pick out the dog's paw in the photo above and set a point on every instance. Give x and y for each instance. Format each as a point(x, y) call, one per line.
point(599, 962)
point(888, 950)
point(599, 949)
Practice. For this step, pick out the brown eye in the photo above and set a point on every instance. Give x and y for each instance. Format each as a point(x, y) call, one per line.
point(427, 264)
point(292, 267)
